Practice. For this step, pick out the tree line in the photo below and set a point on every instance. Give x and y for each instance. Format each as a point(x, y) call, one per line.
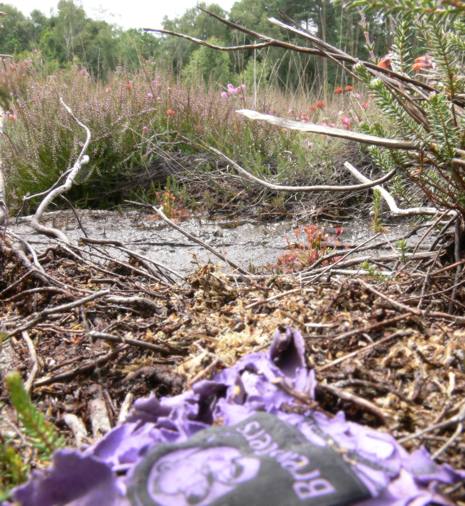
point(70, 37)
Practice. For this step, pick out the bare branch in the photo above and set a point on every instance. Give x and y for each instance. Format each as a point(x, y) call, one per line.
point(201, 42)
point(313, 188)
point(334, 53)
point(324, 130)
point(159, 211)
point(82, 159)
point(393, 207)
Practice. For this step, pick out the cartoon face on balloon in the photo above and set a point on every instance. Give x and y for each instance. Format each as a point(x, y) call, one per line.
point(198, 476)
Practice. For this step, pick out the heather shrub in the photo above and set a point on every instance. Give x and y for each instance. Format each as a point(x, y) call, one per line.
point(139, 121)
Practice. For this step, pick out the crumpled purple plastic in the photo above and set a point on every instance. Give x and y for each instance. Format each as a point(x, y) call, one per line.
point(99, 475)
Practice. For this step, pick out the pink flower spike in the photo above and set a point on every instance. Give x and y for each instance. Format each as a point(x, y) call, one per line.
point(232, 90)
point(224, 94)
point(347, 122)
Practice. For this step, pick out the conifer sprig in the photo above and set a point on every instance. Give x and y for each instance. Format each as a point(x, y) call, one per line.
point(40, 433)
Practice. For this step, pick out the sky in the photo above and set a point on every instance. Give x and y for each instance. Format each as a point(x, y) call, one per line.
point(125, 13)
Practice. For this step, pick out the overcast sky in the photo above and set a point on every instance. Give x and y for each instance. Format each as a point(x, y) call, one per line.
point(125, 13)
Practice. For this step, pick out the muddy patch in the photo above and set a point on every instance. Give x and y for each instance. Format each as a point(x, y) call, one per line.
point(248, 243)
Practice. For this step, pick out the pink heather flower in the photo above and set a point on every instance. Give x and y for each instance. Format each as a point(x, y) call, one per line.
point(232, 90)
point(145, 130)
point(149, 95)
point(224, 94)
point(347, 122)
point(365, 105)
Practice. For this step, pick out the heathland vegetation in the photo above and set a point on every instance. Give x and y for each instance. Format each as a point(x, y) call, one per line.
point(365, 89)
point(154, 102)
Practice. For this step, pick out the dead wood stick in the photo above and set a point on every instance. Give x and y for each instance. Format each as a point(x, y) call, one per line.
point(340, 260)
point(369, 328)
point(372, 384)
point(448, 267)
point(340, 133)
point(393, 207)
point(310, 50)
point(37, 317)
point(119, 245)
point(134, 342)
point(125, 407)
point(358, 260)
point(159, 211)
point(47, 380)
point(394, 303)
point(459, 418)
point(355, 399)
point(404, 307)
point(35, 364)
point(449, 442)
point(77, 428)
point(81, 160)
point(313, 188)
point(368, 347)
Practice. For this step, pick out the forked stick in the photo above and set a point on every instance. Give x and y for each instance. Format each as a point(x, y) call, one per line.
point(81, 160)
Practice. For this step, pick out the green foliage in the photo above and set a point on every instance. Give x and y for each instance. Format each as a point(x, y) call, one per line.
point(376, 222)
point(207, 65)
point(42, 435)
point(402, 246)
point(138, 121)
point(13, 469)
point(401, 7)
point(429, 111)
point(15, 32)
point(402, 57)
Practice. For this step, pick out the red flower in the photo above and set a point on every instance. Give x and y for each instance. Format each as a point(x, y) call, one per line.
point(319, 104)
point(348, 88)
point(170, 112)
point(338, 90)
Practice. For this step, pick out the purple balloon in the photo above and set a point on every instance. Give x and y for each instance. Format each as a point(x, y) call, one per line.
point(244, 436)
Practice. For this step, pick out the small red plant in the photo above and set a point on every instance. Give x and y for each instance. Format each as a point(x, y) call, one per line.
point(422, 62)
point(171, 207)
point(313, 243)
point(385, 61)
